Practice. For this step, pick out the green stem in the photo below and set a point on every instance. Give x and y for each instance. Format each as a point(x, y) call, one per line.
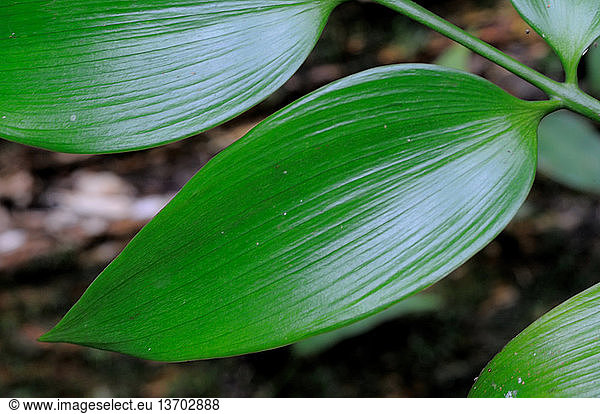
point(567, 93)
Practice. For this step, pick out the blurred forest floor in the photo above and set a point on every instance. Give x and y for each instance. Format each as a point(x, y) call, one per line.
point(64, 217)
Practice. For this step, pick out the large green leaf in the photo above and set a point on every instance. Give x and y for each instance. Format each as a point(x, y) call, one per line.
point(336, 207)
point(556, 356)
point(104, 76)
point(569, 26)
point(569, 151)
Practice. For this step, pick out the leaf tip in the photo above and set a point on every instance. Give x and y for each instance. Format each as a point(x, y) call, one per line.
point(55, 334)
point(47, 337)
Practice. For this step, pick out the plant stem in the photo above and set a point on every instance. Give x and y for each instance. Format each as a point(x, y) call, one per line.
point(567, 93)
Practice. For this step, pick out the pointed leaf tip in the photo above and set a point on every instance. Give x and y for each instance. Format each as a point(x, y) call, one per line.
point(53, 335)
point(47, 337)
point(350, 199)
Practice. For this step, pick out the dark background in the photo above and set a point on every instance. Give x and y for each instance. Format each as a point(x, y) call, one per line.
point(64, 217)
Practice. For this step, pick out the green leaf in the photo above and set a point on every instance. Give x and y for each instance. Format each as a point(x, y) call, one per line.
point(556, 356)
point(106, 76)
point(317, 344)
point(350, 199)
point(569, 26)
point(569, 151)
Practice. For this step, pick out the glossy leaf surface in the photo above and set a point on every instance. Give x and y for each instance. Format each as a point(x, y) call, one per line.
point(569, 26)
point(105, 76)
point(556, 356)
point(338, 206)
point(569, 151)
